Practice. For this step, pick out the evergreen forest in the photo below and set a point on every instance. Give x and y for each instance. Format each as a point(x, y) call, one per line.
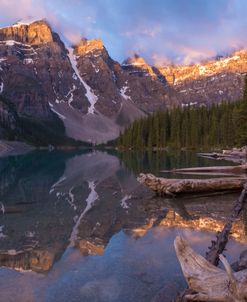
point(222, 125)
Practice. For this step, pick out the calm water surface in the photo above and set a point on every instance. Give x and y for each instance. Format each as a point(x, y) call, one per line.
point(79, 227)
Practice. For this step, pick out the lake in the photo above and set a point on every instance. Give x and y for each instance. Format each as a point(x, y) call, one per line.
point(77, 226)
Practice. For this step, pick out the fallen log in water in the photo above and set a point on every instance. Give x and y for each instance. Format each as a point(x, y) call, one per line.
point(206, 281)
point(166, 186)
point(227, 154)
point(240, 169)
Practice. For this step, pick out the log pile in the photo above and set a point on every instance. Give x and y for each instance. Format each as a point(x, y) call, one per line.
point(166, 186)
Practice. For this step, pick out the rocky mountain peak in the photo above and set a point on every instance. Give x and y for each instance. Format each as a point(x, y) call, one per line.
point(234, 63)
point(88, 93)
point(136, 60)
point(88, 46)
point(37, 32)
point(212, 81)
point(138, 65)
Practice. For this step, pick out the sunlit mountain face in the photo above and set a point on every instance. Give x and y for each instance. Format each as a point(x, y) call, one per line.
point(161, 32)
point(55, 93)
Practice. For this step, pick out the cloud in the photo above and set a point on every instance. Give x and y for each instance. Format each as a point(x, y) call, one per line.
point(25, 9)
point(189, 55)
point(160, 60)
point(176, 30)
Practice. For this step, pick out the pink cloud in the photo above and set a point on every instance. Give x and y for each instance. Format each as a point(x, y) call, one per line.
point(26, 8)
point(191, 55)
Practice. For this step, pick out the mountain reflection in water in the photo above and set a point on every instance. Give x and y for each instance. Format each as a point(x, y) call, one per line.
point(60, 209)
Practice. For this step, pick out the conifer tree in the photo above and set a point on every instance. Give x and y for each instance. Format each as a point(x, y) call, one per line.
point(242, 118)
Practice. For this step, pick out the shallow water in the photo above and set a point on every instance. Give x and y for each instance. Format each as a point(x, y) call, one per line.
point(79, 227)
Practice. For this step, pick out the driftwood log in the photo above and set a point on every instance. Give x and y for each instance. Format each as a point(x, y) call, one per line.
point(219, 245)
point(167, 186)
point(240, 169)
point(208, 287)
point(206, 281)
point(233, 154)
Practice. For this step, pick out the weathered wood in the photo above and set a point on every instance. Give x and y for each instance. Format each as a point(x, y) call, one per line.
point(206, 281)
point(214, 255)
point(240, 169)
point(166, 186)
point(219, 245)
point(234, 153)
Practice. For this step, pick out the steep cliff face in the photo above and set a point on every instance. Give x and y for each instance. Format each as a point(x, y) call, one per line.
point(35, 70)
point(84, 94)
point(210, 82)
point(100, 72)
point(8, 122)
point(40, 78)
point(34, 33)
point(146, 86)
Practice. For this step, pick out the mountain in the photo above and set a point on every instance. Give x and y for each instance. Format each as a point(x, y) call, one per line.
point(91, 94)
point(50, 94)
point(221, 79)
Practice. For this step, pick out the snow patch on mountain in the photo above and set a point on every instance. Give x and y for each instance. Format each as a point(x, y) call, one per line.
point(132, 64)
point(59, 114)
point(92, 98)
point(56, 112)
point(26, 21)
point(70, 94)
point(10, 43)
point(13, 42)
point(95, 68)
point(123, 91)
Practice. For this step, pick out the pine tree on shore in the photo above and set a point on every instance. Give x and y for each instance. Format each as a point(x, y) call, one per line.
point(242, 118)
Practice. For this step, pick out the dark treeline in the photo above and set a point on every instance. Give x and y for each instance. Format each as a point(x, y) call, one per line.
point(223, 125)
point(216, 126)
point(184, 127)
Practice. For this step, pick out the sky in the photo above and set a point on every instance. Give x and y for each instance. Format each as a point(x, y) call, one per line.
point(161, 31)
